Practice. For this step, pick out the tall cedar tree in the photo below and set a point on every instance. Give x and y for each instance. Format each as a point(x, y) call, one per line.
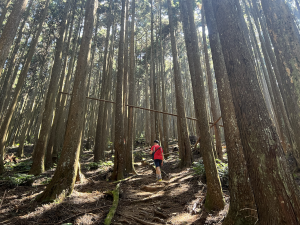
point(212, 97)
point(214, 196)
point(131, 98)
point(270, 178)
point(119, 159)
point(62, 183)
point(184, 142)
point(40, 147)
point(241, 195)
point(99, 140)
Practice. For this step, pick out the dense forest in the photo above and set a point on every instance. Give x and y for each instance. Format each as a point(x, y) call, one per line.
point(86, 86)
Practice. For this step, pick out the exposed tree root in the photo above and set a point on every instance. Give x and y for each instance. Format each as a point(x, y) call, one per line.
point(156, 187)
point(113, 208)
point(154, 196)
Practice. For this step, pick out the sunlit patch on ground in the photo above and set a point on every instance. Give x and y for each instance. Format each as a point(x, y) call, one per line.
point(183, 218)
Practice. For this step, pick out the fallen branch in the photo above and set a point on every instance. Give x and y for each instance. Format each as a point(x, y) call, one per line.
point(198, 141)
point(138, 220)
point(3, 199)
point(119, 181)
point(113, 208)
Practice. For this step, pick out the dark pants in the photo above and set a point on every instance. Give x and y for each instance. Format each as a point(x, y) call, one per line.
point(157, 162)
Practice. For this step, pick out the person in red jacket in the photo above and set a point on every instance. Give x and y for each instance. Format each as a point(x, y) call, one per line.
point(158, 158)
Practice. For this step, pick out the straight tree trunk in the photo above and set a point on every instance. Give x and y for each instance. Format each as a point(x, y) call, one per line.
point(62, 183)
point(32, 104)
point(184, 147)
point(51, 142)
point(241, 196)
point(41, 145)
point(131, 98)
point(10, 29)
point(119, 165)
point(61, 121)
point(213, 104)
point(214, 196)
point(99, 147)
point(152, 114)
point(275, 193)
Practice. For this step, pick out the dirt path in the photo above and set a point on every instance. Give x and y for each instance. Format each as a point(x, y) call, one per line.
point(177, 200)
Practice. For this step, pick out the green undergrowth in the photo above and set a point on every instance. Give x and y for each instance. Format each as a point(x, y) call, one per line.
point(97, 165)
point(18, 179)
point(221, 167)
point(23, 166)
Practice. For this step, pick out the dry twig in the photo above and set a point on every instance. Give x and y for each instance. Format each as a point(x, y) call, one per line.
point(3, 199)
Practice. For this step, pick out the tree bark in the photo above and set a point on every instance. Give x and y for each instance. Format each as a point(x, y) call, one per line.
point(3, 13)
point(213, 104)
point(119, 166)
point(271, 181)
point(184, 147)
point(99, 141)
point(241, 195)
point(131, 98)
point(214, 194)
point(285, 39)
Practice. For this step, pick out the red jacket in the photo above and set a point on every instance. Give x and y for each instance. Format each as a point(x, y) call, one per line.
point(158, 152)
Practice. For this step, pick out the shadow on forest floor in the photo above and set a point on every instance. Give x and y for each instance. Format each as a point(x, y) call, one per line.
point(180, 201)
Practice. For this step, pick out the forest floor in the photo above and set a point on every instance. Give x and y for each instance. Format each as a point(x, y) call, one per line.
point(178, 199)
